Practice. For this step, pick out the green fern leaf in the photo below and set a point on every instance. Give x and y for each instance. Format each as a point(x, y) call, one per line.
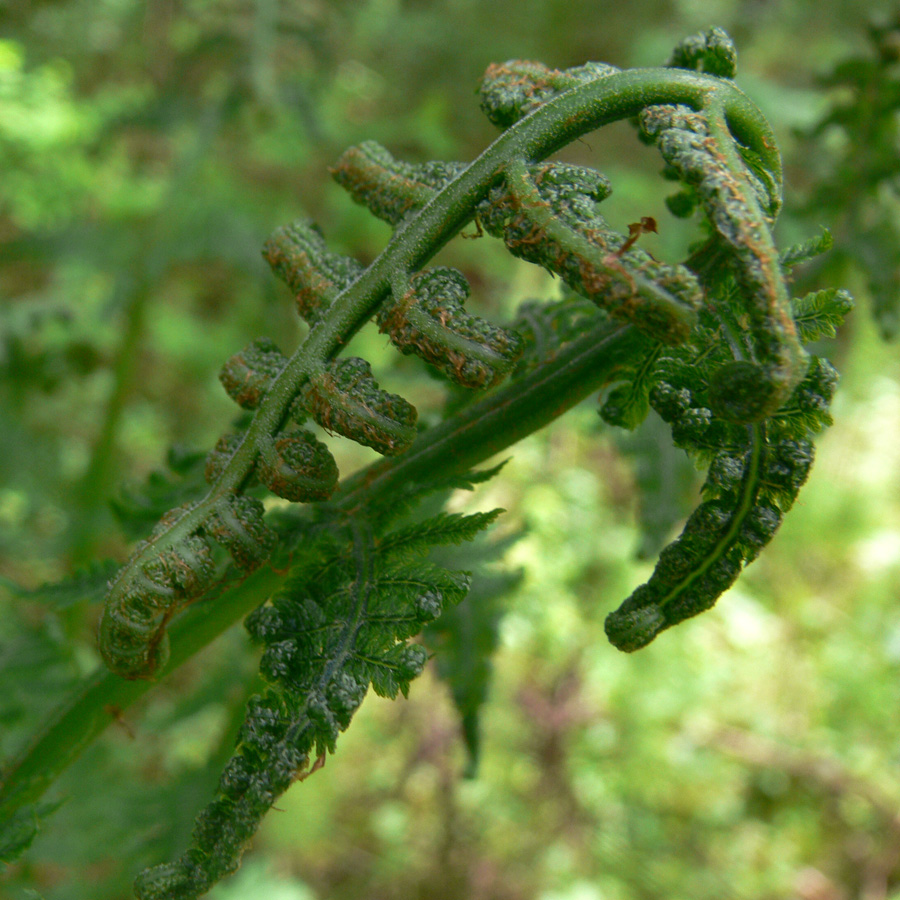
point(751, 483)
point(807, 411)
point(628, 403)
point(465, 636)
point(821, 313)
point(807, 250)
point(443, 529)
point(342, 623)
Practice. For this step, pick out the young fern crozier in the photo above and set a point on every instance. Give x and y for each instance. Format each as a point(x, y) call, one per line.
point(710, 343)
point(546, 213)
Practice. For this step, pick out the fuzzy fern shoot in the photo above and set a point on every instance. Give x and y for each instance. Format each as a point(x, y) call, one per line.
point(337, 590)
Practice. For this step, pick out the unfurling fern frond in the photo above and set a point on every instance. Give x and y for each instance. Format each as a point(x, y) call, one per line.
point(712, 51)
point(345, 398)
point(736, 202)
point(548, 217)
point(297, 467)
point(515, 88)
point(248, 375)
point(299, 256)
point(755, 472)
point(710, 343)
point(388, 188)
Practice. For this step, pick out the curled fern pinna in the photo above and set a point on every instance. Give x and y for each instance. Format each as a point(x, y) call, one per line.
point(711, 344)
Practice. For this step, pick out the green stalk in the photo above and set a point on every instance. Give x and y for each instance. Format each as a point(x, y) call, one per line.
point(93, 492)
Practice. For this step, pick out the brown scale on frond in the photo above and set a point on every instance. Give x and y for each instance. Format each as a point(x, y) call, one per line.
point(510, 76)
point(647, 225)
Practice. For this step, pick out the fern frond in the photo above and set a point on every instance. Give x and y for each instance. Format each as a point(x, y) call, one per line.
point(389, 188)
point(710, 344)
point(341, 624)
point(711, 51)
point(515, 88)
point(298, 255)
point(752, 481)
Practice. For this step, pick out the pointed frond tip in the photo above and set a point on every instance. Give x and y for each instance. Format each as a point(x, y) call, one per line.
point(807, 250)
point(442, 529)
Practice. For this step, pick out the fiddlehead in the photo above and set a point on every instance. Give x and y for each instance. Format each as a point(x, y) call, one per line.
point(297, 467)
point(736, 202)
point(345, 398)
point(754, 475)
point(249, 374)
point(754, 470)
point(710, 343)
point(299, 257)
point(712, 51)
point(548, 217)
point(389, 188)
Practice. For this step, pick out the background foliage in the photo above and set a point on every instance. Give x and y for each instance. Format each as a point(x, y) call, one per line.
point(147, 150)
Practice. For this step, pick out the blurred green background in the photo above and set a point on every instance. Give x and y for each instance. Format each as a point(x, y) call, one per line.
point(146, 152)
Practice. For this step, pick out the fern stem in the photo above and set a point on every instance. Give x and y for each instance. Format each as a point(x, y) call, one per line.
point(102, 696)
point(93, 492)
point(497, 422)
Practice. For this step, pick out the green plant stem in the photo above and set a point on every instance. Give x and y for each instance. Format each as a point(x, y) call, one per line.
point(470, 437)
point(102, 696)
point(486, 428)
point(94, 489)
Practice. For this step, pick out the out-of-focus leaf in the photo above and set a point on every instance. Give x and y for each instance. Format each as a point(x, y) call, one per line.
point(140, 508)
point(821, 313)
point(18, 832)
point(666, 482)
point(88, 583)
